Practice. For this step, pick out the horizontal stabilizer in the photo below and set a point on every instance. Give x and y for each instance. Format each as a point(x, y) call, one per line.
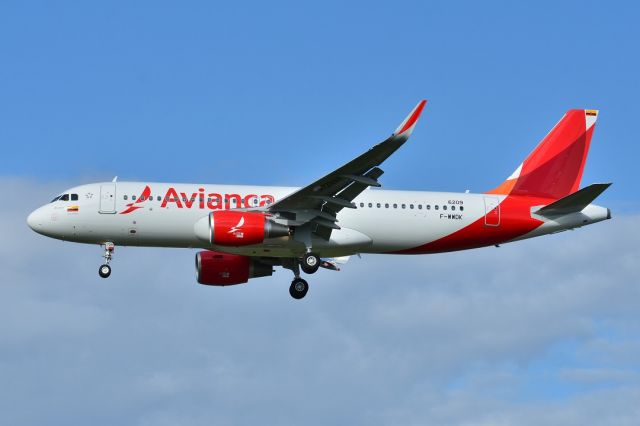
point(575, 202)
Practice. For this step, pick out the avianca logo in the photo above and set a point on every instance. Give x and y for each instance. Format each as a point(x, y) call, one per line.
point(201, 200)
point(236, 231)
point(131, 207)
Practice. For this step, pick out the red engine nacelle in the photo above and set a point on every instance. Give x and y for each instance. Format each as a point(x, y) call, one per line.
point(213, 268)
point(234, 228)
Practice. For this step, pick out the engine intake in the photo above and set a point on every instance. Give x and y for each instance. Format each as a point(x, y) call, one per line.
point(221, 269)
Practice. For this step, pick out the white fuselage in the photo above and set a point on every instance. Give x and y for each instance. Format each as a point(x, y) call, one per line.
point(384, 221)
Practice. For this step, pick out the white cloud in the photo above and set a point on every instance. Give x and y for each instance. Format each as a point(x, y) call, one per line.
point(599, 375)
point(536, 332)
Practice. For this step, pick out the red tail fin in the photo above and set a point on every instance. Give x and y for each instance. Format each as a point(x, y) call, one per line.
point(554, 168)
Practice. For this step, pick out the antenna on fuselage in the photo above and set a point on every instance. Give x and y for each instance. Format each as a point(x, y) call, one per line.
point(115, 179)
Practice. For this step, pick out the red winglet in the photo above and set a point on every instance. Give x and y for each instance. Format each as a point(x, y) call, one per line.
point(412, 118)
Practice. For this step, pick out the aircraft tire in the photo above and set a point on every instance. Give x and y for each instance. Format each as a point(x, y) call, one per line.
point(310, 263)
point(104, 271)
point(298, 288)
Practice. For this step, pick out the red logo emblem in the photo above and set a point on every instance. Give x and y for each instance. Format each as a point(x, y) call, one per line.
point(136, 204)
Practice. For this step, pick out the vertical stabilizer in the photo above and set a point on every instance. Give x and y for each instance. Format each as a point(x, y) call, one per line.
point(554, 168)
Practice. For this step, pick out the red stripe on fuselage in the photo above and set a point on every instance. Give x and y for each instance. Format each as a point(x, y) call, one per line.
point(515, 221)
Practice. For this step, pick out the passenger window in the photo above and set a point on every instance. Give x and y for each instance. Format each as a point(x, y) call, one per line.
point(125, 198)
point(395, 206)
point(133, 197)
point(435, 207)
point(386, 205)
point(378, 205)
point(361, 204)
point(428, 206)
point(74, 197)
point(411, 206)
point(461, 208)
point(159, 198)
point(370, 205)
point(444, 207)
point(419, 206)
point(453, 207)
point(404, 206)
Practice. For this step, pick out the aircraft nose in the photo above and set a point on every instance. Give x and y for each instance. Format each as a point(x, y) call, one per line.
point(35, 220)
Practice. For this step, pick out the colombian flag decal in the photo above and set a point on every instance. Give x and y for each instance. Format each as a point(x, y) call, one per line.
point(73, 209)
point(592, 112)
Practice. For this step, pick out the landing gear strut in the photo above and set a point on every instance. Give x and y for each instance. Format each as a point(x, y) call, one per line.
point(309, 263)
point(299, 287)
point(105, 270)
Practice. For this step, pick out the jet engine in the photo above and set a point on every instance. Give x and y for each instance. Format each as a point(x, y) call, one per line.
point(235, 228)
point(220, 269)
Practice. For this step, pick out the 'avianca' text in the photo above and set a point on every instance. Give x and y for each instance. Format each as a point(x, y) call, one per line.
point(202, 200)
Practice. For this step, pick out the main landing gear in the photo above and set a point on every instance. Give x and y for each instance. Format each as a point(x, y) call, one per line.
point(105, 270)
point(309, 263)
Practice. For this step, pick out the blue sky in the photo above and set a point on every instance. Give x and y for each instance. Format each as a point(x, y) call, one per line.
point(281, 93)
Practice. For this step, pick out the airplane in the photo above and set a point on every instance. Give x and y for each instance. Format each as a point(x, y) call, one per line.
point(245, 231)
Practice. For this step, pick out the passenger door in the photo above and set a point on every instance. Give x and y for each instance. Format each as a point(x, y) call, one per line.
point(492, 211)
point(108, 198)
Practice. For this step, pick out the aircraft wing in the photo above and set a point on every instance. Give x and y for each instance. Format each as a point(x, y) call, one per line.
point(320, 202)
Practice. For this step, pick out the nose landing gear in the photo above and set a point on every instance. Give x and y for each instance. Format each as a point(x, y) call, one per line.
point(105, 270)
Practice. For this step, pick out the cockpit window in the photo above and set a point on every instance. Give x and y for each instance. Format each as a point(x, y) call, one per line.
point(65, 197)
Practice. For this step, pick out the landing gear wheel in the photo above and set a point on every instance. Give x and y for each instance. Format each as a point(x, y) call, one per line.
point(104, 271)
point(310, 263)
point(299, 288)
